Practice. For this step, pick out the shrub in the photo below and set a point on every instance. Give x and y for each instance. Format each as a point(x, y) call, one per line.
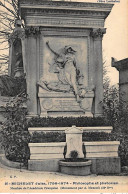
point(115, 107)
point(15, 136)
point(10, 86)
point(67, 122)
point(47, 137)
point(116, 111)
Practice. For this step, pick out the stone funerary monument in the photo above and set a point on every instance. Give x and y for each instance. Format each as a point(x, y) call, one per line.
point(62, 56)
point(62, 59)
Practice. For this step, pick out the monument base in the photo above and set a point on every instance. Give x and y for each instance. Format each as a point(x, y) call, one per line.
point(48, 165)
point(103, 155)
point(56, 104)
point(109, 165)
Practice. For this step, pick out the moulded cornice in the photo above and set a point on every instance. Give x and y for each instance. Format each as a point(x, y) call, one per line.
point(121, 65)
point(63, 21)
point(61, 8)
point(65, 4)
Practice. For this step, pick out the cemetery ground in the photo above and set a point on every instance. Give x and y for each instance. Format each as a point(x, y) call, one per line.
point(16, 180)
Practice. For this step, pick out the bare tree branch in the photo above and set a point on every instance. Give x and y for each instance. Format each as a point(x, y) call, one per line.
point(8, 14)
point(11, 11)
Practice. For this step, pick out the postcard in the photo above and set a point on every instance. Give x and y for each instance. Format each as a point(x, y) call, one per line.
point(63, 96)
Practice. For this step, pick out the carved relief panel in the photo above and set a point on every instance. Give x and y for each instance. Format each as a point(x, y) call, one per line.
point(58, 43)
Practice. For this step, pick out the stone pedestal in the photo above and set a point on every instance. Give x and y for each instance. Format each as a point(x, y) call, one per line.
point(74, 141)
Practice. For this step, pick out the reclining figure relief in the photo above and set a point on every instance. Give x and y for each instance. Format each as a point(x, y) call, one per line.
point(64, 65)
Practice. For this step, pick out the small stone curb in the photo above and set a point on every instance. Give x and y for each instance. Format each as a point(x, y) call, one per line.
point(11, 164)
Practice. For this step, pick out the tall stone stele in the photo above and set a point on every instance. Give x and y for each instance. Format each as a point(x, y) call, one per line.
point(51, 28)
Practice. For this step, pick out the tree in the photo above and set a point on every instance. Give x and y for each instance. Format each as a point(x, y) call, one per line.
point(111, 98)
point(9, 12)
point(115, 108)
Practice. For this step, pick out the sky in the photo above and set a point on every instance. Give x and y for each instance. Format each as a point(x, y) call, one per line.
point(115, 41)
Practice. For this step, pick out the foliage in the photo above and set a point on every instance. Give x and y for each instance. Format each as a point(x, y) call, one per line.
point(41, 137)
point(111, 104)
point(10, 86)
point(122, 119)
point(115, 108)
point(123, 148)
point(116, 112)
point(15, 136)
point(67, 122)
point(47, 137)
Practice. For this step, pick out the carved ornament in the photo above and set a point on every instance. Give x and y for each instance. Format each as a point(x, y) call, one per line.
point(32, 31)
point(98, 33)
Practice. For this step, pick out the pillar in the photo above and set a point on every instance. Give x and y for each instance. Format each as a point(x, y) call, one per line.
point(32, 70)
point(97, 35)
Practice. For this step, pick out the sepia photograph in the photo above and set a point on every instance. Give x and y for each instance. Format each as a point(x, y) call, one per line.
point(63, 96)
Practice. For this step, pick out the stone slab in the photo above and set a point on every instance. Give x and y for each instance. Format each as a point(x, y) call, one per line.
point(102, 149)
point(108, 165)
point(106, 129)
point(63, 104)
point(50, 165)
point(102, 154)
point(56, 144)
point(46, 156)
point(39, 151)
point(47, 150)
